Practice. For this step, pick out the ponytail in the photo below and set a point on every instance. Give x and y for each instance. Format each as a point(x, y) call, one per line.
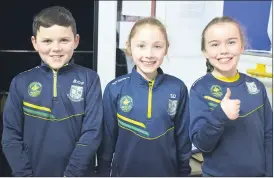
point(209, 67)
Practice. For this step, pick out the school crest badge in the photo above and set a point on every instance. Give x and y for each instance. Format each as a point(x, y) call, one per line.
point(126, 103)
point(75, 93)
point(216, 91)
point(252, 88)
point(172, 107)
point(34, 89)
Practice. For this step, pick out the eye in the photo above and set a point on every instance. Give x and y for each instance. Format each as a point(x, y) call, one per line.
point(65, 40)
point(46, 41)
point(140, 46)
point(214, 45)
point(158, 47)
point(231, 42)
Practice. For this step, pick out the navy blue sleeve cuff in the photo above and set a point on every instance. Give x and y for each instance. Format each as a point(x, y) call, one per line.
point(103, 168)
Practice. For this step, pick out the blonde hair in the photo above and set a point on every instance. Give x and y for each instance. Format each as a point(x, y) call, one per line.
point(142, 22)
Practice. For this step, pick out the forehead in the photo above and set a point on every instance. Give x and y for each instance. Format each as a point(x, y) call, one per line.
point(222, 31)
point(54, 31)
point(148, 33)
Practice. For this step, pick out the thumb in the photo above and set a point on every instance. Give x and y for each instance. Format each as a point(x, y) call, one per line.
point(228, 94)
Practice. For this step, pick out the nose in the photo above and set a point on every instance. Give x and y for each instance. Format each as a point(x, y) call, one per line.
point(148, 53)
point(56, 46)
point(224, 50)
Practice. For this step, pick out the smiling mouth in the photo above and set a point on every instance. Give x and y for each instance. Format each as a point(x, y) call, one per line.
point(56, 56)
point(225, 60)
point(148, 62)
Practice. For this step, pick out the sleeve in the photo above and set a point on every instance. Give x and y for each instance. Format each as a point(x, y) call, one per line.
point(91, 135)
point(12, 139)
point(182, 134)
point(206, 126)
point(268, 135)
point(110, 131)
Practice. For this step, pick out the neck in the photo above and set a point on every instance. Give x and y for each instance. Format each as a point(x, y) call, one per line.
point(148, 76)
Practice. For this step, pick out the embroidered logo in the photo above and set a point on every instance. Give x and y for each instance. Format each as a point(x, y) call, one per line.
point(252, 88)
point(34, 89)
point(212, 104)
point(216, 91)
point(76, 93)
point(126, 103)
point(78, 82)
point(172, 107)
point(119, 80)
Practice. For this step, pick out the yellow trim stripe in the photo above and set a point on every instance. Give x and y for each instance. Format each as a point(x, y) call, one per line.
point(36, 106)
point(48, 119)
point(131, 121)
point(252, 111)
point(212, 99)
point(228, 79)
point(147, 137)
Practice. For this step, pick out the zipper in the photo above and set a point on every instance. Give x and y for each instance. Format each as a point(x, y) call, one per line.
point(54, 83)
point(149, 106)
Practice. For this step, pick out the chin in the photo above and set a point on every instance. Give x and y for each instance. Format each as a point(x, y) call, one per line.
point(148, 70)
point(55, 67)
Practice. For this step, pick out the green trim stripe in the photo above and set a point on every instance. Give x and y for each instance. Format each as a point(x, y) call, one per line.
point(38, 113)
point(252, 111)
point(79, 144)
point(133, 128)
point(58, 119)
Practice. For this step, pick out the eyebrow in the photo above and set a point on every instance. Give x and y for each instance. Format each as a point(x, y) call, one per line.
point(233, 38)
point(48, 38)
point(162, 42)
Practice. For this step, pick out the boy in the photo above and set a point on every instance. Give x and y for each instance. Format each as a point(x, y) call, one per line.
point(53, 114)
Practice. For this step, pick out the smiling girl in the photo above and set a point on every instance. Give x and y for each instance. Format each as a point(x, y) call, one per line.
point(146, 117)
point(230, 114)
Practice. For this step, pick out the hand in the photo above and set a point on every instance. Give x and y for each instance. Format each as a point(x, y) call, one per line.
point(230, 107)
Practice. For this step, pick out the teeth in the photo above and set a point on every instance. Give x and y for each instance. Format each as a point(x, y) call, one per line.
point(56, 57)
point(148, 63)
point(224, 60)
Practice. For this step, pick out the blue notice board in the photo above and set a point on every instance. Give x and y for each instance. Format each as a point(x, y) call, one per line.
point(253, 17)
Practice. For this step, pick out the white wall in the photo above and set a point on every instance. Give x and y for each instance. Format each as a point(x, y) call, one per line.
point(189, 66)
point(106, 41)
point(184, 28)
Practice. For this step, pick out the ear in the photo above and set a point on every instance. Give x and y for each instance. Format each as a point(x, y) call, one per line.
point(128, 50)
point(76, 41)
point(167, 47)
point(34, 44)
point(242, 48)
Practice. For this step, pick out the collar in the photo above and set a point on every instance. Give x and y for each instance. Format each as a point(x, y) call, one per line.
point(240, 78)
point(140, 80)
point(45, 67)
point(228, 79)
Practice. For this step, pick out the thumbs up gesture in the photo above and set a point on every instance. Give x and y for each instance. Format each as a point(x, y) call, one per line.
point(230, 107)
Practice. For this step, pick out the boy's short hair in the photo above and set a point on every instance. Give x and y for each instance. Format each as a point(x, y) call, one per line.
point(55, 15)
